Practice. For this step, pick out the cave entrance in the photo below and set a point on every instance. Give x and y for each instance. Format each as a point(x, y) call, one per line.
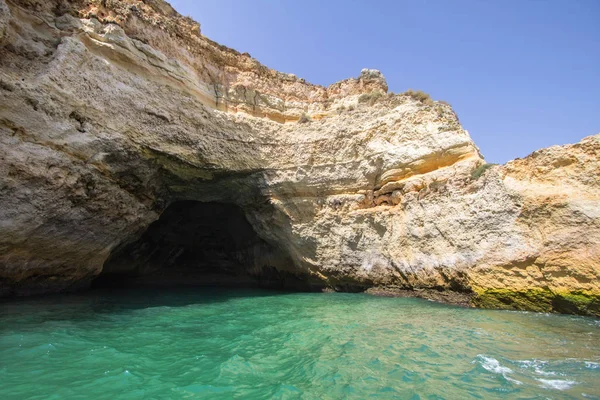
point(196, 243)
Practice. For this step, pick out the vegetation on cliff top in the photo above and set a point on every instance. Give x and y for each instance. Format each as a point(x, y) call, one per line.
point(419, 95)
point(479, 171)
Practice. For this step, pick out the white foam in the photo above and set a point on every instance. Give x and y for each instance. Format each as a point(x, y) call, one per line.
point(556, 384)
point(592, 365)
point(544, 373)
point(493, 365)
point(537, 366)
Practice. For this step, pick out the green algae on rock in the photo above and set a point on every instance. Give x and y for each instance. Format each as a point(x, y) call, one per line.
point(540, 300)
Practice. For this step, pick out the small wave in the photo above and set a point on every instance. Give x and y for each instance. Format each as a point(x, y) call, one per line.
point(592, 365)
point(493, 365)
point(556, 384)
point(537, 366)
point(508, 378)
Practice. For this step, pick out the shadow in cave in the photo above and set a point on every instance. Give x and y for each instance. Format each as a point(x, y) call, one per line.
point(200, 244)
point(87, 305)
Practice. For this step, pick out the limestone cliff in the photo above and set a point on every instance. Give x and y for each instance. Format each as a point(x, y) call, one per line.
point(111, 111)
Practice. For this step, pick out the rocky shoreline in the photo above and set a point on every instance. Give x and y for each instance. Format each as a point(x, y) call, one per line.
point(446, 297)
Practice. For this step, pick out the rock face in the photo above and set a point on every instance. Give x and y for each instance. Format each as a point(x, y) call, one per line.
point(114, 110)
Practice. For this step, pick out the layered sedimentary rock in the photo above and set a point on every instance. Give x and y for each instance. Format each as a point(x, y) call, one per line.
point(112, 111)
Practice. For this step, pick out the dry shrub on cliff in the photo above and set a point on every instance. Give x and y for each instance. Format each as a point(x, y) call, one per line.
point(370, 98)
point(479, 171)
point(304, 119)
point(419, 95)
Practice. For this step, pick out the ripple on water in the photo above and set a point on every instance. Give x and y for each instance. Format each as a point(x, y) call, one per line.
point(258, 345)
point(557, 384)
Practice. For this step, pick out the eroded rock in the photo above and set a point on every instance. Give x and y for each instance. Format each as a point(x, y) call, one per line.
point(112, 111)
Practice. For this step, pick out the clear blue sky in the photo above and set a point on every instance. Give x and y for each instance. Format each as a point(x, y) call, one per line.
point(521, 74)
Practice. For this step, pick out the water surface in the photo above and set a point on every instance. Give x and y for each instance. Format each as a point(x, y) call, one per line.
point(220, 344)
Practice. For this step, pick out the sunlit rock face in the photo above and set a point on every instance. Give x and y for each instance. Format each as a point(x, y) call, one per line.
point(113, 111)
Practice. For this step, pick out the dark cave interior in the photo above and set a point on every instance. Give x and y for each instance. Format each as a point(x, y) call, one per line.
point(204, 244)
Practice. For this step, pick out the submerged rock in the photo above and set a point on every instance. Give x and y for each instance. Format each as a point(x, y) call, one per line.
point(112, 111)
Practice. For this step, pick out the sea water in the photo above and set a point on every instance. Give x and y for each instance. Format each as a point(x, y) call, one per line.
point(239, 344)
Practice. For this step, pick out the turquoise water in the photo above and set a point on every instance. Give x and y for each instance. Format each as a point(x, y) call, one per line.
point(216, 344)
